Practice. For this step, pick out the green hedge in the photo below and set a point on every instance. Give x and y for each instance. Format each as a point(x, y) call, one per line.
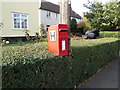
point(89, 58)
point(34, 67)
point(113, 34)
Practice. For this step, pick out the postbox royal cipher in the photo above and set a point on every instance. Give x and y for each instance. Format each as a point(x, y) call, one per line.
point(58, 39)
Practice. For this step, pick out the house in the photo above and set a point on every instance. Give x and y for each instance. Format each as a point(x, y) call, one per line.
point(20, 16)
point(50, 14)
point(0, 18)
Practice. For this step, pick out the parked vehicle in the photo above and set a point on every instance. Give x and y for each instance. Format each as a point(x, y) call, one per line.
point(92, 34)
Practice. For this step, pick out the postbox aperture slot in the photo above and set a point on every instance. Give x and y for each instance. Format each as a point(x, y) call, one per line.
point(63, 30)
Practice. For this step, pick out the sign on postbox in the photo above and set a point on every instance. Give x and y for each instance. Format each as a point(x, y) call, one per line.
point(58, 39)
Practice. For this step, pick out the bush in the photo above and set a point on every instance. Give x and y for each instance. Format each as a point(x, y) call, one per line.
point(45, 73)
point(34, 67)
point(73, 25)
point(90, 55)
point(110, 34)
point(27, 35)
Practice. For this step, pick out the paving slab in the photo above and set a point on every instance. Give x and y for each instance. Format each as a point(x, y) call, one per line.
point(106, 78)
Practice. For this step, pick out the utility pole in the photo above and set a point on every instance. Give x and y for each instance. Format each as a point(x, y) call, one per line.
point(65, 9)
point(65, 12)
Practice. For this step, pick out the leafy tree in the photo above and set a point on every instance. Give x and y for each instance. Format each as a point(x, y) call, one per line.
point(104, 16)
point(80, 25)
point(43, 32)
point(85, 25)
point(73, 25)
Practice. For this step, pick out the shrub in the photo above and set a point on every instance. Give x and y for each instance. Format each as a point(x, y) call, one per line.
point(73, 25)
point(27, 35)
point(38, 38)
point(91, 56)
point(43, 32)
point(110, 34)
point(32, 66)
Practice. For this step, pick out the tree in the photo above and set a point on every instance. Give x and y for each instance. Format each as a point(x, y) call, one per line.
point(73, 25)
point(43, 32)
point(80, 25)
point(85, 25)
point(104, 16)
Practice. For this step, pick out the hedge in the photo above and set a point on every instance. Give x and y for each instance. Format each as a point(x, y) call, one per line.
point(110, 34)
point(91, 56)
point(32, 66)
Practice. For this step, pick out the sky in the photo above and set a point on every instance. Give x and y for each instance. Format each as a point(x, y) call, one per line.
point(77, 5)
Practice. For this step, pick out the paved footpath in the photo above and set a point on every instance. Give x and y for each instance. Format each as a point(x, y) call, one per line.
point(106, 78)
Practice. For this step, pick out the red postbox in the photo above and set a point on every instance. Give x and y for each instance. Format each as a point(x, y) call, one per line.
point(58, 39)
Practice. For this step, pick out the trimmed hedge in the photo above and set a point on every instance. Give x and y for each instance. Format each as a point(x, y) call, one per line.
point(34, 67)
point(110, 34)
point(88, 59)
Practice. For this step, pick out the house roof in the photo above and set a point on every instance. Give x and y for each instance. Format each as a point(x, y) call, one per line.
point(74, 14)
point(45, 5)
point(49, 7)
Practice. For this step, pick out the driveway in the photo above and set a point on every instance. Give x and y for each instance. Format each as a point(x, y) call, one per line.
point(106, 78)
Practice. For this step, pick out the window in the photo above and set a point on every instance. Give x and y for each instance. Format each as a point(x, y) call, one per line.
point(48, 14)
point(20, 21)
point(56, 15)
point(47, 26)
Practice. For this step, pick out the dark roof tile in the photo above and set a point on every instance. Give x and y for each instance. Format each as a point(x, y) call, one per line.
point(49, 6)
point(55, 8)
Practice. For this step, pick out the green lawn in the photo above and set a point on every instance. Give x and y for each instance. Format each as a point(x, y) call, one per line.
point(80, 42)
point(39, 50)
point(14, 53)
point(92, 42)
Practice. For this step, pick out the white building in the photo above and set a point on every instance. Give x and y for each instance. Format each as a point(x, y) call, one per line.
point(49, 14)
point(19, 16)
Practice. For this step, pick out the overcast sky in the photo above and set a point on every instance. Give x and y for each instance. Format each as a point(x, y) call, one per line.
point(77, 5)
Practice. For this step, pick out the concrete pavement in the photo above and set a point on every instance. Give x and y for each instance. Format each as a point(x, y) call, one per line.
point(106, 78)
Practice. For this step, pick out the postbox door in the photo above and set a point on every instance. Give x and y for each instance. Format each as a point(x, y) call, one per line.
point(63, 46)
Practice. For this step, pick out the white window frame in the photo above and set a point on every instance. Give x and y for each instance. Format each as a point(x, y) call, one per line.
point(48, 14)
point(56, 15)
point(20, 18)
